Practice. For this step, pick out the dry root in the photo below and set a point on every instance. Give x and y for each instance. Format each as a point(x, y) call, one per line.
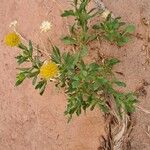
point(117, 134)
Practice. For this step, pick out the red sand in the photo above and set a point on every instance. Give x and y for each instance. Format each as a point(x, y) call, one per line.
point(31, 122)
point(27, 120)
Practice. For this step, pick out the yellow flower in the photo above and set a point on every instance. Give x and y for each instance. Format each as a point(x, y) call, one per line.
point(49, 70)
point(12, 39)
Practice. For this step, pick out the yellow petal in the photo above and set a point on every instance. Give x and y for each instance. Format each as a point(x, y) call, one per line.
point(49, 70)
point(12, 39)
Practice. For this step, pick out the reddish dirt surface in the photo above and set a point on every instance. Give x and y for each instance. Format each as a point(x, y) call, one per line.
point(31, 122)
point(27, 120)
point(132, 65)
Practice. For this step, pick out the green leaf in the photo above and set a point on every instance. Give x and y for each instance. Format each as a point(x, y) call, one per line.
point(76, 78)
point(111, 29)
point(21, 59)
point(94, 103)
point(69, 40)
point(130, 29)
point(72, 110)
point(109, 17)
point(78, 112)
point(84, 51)
point(33, 74)
point(68, 13)
point(119, 83)
point(103, 106)
point(56, 56)
point(26, 54)
point(83, 5)
point(96, 27)
point(96, 86)
point(102, 80)
point(20, 78)
point(111, 62)
point(41, 86)
point(85, 73)
point(22, 46)
point(75, 84)
point(30, 48)
point(94, 67)
point(122, 41)
point(72, 29)
point(92, 38)
point(34, 80)
point(121, 24)
point(37, 62)
point(24, 69)
point(130, 102)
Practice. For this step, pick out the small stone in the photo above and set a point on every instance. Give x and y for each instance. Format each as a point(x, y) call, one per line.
point(145, 21)
point(139, 36)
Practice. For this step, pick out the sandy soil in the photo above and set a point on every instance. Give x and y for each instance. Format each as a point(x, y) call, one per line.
point(133, 57)
point(27, 120)
point(31, 122)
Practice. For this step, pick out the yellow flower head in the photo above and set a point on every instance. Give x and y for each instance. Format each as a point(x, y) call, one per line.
point(49, 70)
point(12, 39)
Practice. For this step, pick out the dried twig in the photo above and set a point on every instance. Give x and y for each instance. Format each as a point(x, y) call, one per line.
point(142, 109)
point(147, 133)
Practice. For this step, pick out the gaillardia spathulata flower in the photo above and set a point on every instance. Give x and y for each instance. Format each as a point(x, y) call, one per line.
point(12, 39)
point(45, 26)
point(13, 24)
point(49, 70)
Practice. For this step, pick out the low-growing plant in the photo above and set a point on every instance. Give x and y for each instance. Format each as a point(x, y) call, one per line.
point(79, 30)
point(33, 70)
point(90, 85)
point(87, 85)
point(114, 30)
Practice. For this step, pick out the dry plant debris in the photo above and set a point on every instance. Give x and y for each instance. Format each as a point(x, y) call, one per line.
point(146, 46)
